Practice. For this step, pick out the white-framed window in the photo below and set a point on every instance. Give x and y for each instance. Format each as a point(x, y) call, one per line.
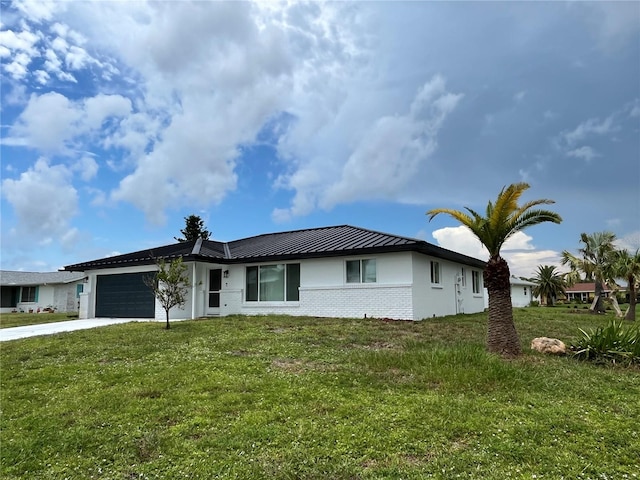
point(475, 280)
point(273, 283)
point(525, 291)
point(463, 277)
point(29, 294)
point(362, 271)
point(435, 272)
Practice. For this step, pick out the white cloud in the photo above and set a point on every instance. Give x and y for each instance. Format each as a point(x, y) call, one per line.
point(52, 123)
point(43, 199)
point(54, 65)
point(23, 41)
point(585, 153)
point(589, 127)
point(46, 123)
point(461, 240)
point(220, 72)
point(101, 107)
point(41, 76)
point(385, 156)
point(136, 133)
point(629, 241)
point(38, 10)
point(59, 44)
point(77, 58)
point(194, 164)
point(87, 168)
point(525, 264)
point(518, 250)
point(18, 67)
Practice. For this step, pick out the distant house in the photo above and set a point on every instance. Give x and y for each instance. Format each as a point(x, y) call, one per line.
point(584, 292)
point(521, 293)
point(339, 271)
point(36, 291)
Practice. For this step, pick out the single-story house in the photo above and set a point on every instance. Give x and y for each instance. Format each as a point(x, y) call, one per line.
point(37, 291)
point(584, 292)
point(521, 293)
point(337, 271)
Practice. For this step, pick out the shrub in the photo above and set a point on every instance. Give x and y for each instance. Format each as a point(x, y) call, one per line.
point(534, 303)
point(612, 343)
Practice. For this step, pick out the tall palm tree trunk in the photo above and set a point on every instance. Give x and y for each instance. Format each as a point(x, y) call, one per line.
point(502, 337)
point(631, 311)
point(598, 303)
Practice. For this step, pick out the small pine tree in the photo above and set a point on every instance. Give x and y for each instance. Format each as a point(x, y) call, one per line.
point(170, 285)
point(194, 229)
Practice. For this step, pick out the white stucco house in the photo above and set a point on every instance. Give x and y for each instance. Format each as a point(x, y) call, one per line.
point(337, 271)
point(521, 293)
point(37, 291)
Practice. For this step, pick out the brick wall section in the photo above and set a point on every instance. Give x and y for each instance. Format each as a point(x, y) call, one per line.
point(392, 301)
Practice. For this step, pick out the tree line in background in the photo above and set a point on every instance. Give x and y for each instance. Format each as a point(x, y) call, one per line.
point(598, 261)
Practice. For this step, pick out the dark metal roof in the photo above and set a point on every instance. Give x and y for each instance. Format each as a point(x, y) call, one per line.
point(328, 240)
point(141, 257)
point(310, 243)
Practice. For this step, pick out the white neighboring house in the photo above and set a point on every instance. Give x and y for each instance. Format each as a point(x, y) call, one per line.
point(37, 291)
point(339, 271)
point(521, 293)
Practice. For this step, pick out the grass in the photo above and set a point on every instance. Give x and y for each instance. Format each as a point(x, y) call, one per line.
point(284, 398)
point(8, 320)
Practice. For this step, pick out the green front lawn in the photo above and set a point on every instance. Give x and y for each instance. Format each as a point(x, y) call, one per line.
point(288, 398)
point(21, 319)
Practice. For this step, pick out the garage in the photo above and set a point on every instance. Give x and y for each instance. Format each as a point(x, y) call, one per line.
point(124, 296)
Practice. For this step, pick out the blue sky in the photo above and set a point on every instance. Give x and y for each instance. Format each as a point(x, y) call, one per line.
point(119, 119)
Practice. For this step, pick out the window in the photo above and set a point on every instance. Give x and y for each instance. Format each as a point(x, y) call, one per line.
point(273, 283)
point(463, 277)
point(29, 294)
point(293, 282)
point(361, 271)
point(525, 291)
point(475, 279)
point(435, 272)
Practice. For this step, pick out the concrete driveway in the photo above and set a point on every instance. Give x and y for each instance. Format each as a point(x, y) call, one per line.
point(15, 333)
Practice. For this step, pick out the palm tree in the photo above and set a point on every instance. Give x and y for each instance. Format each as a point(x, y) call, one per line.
point(502, 219)
point(596, 256)
point(627, 265)
point(549, 284)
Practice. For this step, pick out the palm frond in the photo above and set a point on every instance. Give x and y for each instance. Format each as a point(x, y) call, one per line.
point(507, 203)
point(457, 214)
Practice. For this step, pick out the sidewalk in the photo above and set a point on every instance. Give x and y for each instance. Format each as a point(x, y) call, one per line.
point(15, 333)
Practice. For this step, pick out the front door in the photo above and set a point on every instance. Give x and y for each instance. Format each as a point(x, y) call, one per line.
point(215, 284)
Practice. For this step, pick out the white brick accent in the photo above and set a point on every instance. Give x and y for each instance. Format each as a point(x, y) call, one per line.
point(356, 301)
point(388, 301)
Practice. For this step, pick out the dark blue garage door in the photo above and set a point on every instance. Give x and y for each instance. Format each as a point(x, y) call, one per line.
point(124, 296)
